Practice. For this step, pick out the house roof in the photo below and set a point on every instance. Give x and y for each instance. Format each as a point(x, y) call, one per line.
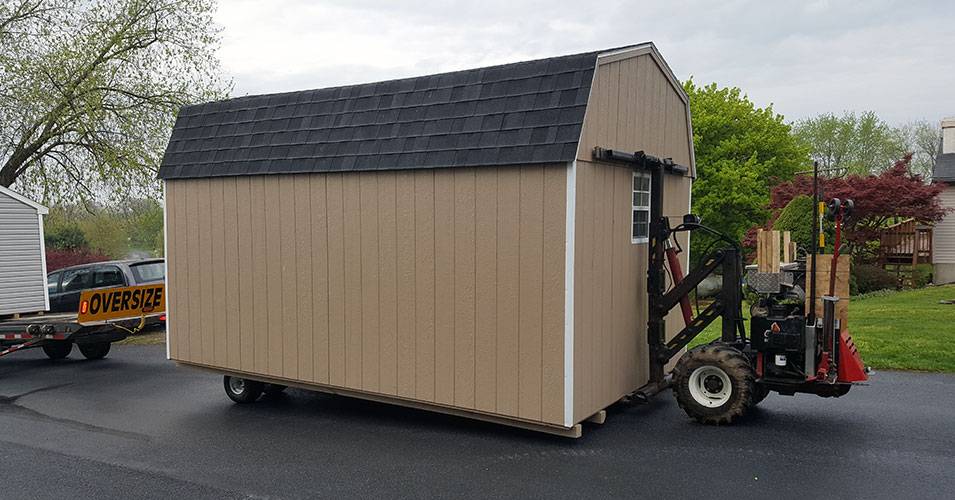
point(944, 168)
point(23, 199)
point(521, 113)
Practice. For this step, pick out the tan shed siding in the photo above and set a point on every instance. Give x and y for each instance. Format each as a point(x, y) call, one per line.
point(441, 286)
point(633, 106)
point(943, 245)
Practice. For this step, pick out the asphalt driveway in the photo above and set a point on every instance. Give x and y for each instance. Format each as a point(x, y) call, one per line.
point(135, 425)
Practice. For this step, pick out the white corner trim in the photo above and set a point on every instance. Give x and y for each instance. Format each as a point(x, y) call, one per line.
point(26, 201)
point(165, 256)
point(46, 291)
point(569, 294)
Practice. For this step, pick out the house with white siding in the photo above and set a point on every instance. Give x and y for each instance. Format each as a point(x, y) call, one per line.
point(22, 255)
point(943, 243)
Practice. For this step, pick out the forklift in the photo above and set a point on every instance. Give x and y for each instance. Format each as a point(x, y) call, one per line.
point(791, 347)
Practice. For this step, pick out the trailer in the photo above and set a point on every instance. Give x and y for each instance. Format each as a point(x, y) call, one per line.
point(105, 316)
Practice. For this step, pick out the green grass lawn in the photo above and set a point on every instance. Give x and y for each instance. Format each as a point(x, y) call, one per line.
point(906, 330)
point(152, 336)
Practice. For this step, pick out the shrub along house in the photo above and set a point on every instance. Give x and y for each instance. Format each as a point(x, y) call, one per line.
point(22, 255)
point(445, 241)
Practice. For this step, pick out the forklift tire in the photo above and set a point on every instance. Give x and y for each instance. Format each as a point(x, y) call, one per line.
point(58, 349)
point(274, 389)
point(242, 391)
point(714, 384)
point(96, 350)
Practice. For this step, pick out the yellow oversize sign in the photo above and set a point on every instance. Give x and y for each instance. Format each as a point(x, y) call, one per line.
point(120, 303)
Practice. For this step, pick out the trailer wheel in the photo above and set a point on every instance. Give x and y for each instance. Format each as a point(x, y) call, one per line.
point(242, 390)
point(274, 389)
point(714, 384)
point(58, 349)
point(96, 350)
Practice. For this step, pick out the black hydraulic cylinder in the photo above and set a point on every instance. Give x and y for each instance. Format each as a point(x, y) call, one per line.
point(731, 293)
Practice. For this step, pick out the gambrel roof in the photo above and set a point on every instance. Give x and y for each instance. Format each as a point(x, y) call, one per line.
point(522, 113)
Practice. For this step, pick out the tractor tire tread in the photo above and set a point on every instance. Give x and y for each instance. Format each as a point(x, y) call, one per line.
point(735, 365)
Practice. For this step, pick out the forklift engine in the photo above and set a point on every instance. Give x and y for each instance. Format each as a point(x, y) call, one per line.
point(791, 347)
point(778, 328)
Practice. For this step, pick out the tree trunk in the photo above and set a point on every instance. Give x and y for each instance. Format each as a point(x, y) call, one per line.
point(8, 173)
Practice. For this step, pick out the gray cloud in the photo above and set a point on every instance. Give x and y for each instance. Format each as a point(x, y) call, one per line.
point(894, 57)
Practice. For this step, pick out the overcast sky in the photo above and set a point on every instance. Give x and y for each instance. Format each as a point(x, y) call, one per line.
point(805, 57)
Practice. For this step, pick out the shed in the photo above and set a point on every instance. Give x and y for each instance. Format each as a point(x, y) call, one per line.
point(445, 242)
point(22, 255)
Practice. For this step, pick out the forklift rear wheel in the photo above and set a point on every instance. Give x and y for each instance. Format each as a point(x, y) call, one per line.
point(96, 350)
point(714, 384)
point(274, 389)
point(242, 390)
point(58, 349)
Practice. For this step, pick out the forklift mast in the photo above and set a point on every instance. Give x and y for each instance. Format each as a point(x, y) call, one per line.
point(788, 351)
point(727, 305)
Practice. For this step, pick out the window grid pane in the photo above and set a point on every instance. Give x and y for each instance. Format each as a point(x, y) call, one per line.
point(641, 208)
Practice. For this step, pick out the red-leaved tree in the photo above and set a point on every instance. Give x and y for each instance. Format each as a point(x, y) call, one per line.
point(879, 200)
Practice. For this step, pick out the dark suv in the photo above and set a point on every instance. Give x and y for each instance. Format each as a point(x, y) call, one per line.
point(66, 284)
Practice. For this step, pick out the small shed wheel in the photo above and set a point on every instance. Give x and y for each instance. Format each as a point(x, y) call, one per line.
point(714, 384)
point(242, 390)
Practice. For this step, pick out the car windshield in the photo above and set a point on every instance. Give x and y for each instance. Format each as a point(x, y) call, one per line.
point(148, 271)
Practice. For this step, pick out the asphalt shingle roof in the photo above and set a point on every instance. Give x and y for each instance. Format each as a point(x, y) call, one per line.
point(944, 168)
point(528, 112)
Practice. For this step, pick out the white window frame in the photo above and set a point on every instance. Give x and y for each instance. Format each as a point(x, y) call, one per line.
point(639, 208)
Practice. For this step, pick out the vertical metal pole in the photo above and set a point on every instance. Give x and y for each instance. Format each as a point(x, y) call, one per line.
point(815, 242)
point(656, 324)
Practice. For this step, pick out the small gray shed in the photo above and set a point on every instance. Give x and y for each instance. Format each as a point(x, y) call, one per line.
point(22, 255)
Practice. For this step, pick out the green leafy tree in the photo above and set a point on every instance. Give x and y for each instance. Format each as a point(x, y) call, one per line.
point(851, 143)
point(67, 236)
point(89, 90)
point(741, 152)
point(922, 139)
point(796, 217)
point(144, 226)
point(131, 228)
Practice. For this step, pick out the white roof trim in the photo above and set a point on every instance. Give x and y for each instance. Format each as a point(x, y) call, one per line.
point(26, 201)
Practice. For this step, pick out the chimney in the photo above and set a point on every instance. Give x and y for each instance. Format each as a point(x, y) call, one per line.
point(948, 135)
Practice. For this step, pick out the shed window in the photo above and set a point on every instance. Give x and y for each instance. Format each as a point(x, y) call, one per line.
point(641, 208)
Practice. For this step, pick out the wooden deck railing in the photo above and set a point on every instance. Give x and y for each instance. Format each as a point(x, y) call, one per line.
point(907, 242)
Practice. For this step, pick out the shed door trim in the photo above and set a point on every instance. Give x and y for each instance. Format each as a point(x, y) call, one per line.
point(569, 294)
point(42, 243)
point(165, 254)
